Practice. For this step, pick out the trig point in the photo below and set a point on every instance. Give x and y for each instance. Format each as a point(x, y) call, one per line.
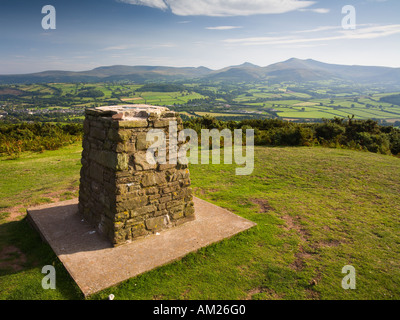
point(121, 194)
point(123, 197)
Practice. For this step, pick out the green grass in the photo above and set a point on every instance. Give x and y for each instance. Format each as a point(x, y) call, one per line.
point(215, 114)
point(316, 210)
point(164, 98)
point(27, 179)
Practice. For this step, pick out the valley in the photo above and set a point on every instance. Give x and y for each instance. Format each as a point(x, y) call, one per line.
point(308, 102)
point(293, 90)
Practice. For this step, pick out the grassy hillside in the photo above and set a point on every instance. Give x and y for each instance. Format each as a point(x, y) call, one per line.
point(316, 210)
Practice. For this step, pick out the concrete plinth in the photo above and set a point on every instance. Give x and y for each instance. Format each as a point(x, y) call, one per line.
point(95, 264)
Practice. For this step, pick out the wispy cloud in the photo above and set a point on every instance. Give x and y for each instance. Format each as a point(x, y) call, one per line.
point(223, 28)
point(118, 47)
point(317, 10)
point(370, 32)
point(331, 28)
point(81, 57)
point(123, 47)
point(158, 4)
point(225, 8)
point(301, 46)
point(164, 45)
point(319, 29)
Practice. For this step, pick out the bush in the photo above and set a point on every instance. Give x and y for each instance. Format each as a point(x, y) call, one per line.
point(394, 137)
point(286, 137)
point(335, 133)
point(377, 143)
point(329, 131)
point(36, 137)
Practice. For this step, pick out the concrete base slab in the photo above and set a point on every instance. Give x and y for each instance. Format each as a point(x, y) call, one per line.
point(95, 265)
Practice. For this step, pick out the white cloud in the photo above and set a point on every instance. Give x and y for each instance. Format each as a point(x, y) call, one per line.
point(163, 45)
point(224, 8)
point(330, 28)
point(370, 32)
point(159, 4)
point(300, 46)
point(319, 29)
point(123, 47)
point(317, 10)
point(223, 28)
point(119, 47)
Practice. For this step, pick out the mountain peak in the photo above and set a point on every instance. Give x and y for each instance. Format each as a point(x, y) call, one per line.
point(293, 60)
point(247, 65)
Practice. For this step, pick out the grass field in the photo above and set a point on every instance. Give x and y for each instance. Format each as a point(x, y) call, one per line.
point(215, 114)
point(316, 210)
point(163, 98)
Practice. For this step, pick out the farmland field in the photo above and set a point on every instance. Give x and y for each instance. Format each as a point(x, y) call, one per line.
point(66, 102)
point(202, 114)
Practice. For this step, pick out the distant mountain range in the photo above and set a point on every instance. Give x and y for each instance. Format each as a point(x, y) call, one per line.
point(292, 70)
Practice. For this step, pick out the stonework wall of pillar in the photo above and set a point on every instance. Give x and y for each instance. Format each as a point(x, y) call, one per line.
point(121, 194)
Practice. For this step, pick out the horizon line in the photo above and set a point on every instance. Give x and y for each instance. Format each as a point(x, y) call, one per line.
point(201, 66)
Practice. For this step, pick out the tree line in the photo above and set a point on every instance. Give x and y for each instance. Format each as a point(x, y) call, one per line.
point(37, 137)
point(348, 133)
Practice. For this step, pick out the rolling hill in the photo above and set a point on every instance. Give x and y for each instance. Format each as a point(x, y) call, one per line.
point(292, 70)
point(312, 70)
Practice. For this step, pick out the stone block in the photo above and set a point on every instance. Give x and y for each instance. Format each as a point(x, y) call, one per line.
point(134, 124)
point(162, 123)
point(127, 147)
point(157, 223)
point(98, 133)
point(122, 162)
point(141, 142)
point(141, 163)
point(152, 179)
point(138, 230)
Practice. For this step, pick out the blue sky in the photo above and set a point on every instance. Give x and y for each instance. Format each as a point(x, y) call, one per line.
point(211, 33)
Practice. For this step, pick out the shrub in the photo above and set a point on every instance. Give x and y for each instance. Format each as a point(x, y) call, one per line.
point(36, 137)
point(377, 143)
point(329, 131)
point(394, 137)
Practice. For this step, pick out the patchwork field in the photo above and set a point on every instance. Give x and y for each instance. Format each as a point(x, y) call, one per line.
point(66, 102)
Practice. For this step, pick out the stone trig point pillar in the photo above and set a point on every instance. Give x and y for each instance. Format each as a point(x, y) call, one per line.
point(125, 197)
point(121, 194)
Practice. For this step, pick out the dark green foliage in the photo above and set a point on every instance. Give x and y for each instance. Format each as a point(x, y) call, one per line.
point(161, 88)
point(90, 93)
point(293, 135)
point(394, 137)
point(377, 143)
point(346, 133)
point(37, 137)
point(329, 130)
